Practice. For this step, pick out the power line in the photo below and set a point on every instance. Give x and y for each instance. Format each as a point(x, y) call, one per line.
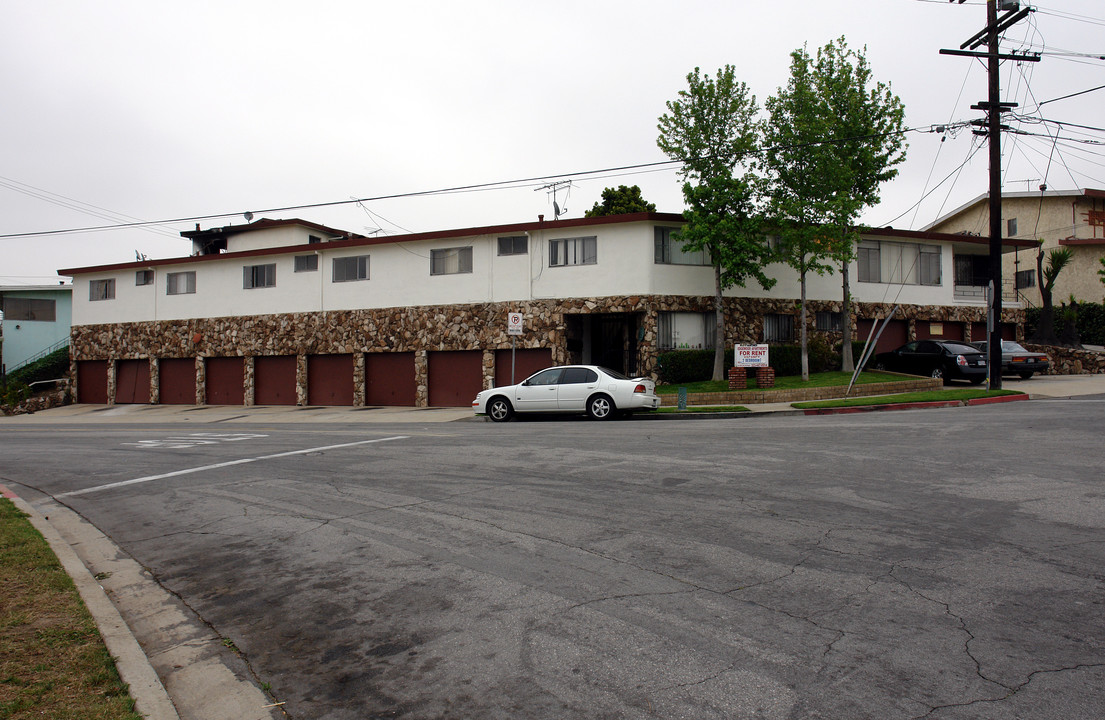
point(503, 184)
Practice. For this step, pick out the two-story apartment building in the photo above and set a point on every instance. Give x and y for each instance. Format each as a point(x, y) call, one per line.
point(290, 312)
point(1072, 219)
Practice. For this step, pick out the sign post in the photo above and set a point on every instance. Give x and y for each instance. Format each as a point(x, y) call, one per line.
point(514, 328)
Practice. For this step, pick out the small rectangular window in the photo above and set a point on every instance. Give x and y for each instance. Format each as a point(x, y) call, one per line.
point(778, 328)
point(929, 262)
point(514, 245)
point(313, 239)
point(306, 263)
point(685, 330)
point(451, 261)
point(1011, 227)
point(349, 269)
point(143, 277)
point(259, 276)
point(29, 309)
point(573, 251)
point(180, 283)
point(1025, 279)
point(101, 290)
point(828, 321)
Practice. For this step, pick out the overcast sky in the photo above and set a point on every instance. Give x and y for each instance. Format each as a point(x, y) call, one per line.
point(162, 110)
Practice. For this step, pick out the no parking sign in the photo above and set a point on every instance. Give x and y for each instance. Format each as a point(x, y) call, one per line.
point(514, 323)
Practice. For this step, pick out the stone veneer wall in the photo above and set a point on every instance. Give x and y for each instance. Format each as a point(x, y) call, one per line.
point(440, 328)
point(1071, 361)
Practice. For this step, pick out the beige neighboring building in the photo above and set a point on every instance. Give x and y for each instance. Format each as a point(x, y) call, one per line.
point(1073, 219)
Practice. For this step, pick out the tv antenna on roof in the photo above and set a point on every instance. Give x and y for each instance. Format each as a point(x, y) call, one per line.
point(552, 189)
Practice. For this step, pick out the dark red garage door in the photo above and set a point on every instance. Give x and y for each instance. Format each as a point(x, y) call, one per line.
point(526, 363)
point(132, 381)
point(178, 381)
point(389, 379)
point(274, 380)
point(92, 382)
point(455, 377)
point(939, 330)
point(226, 381)
point(330, 380)
point(893, 337)
point(978, 332)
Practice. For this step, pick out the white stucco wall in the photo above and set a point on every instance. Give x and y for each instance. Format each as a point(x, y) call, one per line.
point(399, 275)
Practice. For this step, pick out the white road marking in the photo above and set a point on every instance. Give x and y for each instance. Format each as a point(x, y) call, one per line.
point(229, 463)
point(183, 442)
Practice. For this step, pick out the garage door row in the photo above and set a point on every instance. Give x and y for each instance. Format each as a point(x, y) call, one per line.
point(452, 378)
point(895, 333)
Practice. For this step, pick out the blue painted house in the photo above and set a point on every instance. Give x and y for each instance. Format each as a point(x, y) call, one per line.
point(36, 320)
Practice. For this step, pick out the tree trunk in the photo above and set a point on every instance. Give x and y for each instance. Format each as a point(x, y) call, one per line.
point(847, 363)
point(1045, 326)
point(804, 334)
point(719, 334)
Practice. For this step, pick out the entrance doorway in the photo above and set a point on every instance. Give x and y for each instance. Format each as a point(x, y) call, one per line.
point(606, 339)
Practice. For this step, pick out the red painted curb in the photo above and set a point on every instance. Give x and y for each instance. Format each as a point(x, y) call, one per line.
point(4, 492)
point(1002, 399)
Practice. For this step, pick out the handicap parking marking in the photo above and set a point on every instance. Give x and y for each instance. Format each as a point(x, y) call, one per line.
point(183, 442)
point(229, 463)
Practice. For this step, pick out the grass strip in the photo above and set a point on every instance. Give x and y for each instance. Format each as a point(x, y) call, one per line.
point(53, 662)
point(930, 396)
point(785, 382)
point(704, 409)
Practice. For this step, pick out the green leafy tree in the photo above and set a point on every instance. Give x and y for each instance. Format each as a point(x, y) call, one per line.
point(1101, 272)
point(621, 200)
point(833, 138)
point(712, 128)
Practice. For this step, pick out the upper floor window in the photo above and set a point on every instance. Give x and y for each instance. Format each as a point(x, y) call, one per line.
point(143, 277)
point(573, 251)
point(514, 245)
point(306, 263)
point(180, 283)
point(29, 309)
point(348, 269)
point(451, 261)
point(101, 289)
point(898, 263)
point(1025, 279)
point(669, 249)
point(259, 276)
point(972, 270)
point(313, 239)
point(1011, 227)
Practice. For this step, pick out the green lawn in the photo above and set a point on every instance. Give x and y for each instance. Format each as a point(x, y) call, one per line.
point(930, 396)
point(53, 662)
point(787, 382)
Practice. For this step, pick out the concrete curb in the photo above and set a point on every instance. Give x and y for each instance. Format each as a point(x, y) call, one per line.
point(150, 698)
point(913, 405)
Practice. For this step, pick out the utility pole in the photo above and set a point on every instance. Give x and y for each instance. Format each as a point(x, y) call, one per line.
point(994, 107)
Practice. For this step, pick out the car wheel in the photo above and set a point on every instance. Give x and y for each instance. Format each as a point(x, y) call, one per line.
point(938, 373)
point(601, 407)
point(499, 409)
point(1026, 375)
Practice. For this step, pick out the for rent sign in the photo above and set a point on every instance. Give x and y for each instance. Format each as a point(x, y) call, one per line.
point(750, 356)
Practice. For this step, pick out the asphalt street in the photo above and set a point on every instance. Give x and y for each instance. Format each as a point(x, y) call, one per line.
point(936, 564)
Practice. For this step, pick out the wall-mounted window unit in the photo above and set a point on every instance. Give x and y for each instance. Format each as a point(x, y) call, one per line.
point(514, 245)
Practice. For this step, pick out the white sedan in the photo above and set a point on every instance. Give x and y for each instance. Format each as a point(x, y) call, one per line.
point(600, 392)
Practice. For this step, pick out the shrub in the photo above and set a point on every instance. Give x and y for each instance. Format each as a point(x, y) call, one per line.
point(1090, 322)
point(685, 366)
point(55, 365)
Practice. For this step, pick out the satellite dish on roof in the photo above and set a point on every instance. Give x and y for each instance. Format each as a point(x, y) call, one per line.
point(248, 216)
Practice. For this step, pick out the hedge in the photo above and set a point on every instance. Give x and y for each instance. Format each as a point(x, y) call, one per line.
point(1090, 322)
point(686, 366)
